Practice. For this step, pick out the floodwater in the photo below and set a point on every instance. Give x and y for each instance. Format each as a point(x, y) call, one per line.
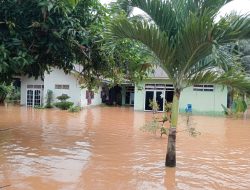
point(103, 148)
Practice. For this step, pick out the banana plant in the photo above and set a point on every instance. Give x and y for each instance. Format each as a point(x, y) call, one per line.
point(188, 42)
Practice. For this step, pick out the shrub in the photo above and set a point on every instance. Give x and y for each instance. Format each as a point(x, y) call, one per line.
point(64, 105)
point(39, 107)
point(74, 109)
point(49, 98)
point(63, 97)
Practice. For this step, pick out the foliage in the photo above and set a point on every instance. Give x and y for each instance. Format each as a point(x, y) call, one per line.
point(14, 95)
point(37, 34)
point(244, 49)
point(63, 105)
point(168, 107)
point(238, 107)
point(39, 107)
point(186, 41)
point(4, 91)
point(191, 130)
point(49, 99)
point(156, 123)
point(116, 61)
point(151, 127)
point(154, 105)
point(63, 97)
point(74, 109)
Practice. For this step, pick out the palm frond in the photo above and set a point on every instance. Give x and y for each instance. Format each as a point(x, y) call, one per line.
point(185, 38)
point(194, 41)
point(147, 34)
point(160, 11)
point(231, 28)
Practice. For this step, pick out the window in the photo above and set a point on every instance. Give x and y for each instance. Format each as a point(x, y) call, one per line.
point(203, 87)
point(62, 86)
point(38, 86)
point(58, 86)
point(65, 87)
point(167, 87)
point(130, 88)
point(30, 86)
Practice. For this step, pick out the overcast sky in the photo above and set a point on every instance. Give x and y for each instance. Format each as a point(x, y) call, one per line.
point(241, 6)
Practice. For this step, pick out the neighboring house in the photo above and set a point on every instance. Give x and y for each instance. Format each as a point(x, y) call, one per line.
point(204, 98)
point(33, 91)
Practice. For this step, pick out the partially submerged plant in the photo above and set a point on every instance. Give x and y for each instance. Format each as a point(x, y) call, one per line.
point(191, 126)
point(156, 123)
point(63, 104)
point(154, 105)
point(238, 107)
point(49, 99)
point(74, 108)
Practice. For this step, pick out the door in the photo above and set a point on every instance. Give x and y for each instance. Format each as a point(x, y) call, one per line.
point(132, 96)
point(30, 98)
point(33, 98)
point(37, 97)
point(149, 97)
point(160, 99)
point(127, 98)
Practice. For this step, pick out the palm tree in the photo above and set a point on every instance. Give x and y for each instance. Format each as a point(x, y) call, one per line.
point(188, 43)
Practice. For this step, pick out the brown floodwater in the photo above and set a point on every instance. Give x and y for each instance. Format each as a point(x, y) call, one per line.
point(103, 148)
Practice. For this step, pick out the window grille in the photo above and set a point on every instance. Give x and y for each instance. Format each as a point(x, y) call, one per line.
point(203, 87)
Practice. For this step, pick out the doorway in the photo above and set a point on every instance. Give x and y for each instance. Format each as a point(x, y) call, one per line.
point(157, 96)
point(161, 93)
point(129, 95)
point(34, 97)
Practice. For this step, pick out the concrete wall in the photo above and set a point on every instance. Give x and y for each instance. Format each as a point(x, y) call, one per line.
point(97, 100)
point(203, 102)
point(25, 80)
point(58, 77)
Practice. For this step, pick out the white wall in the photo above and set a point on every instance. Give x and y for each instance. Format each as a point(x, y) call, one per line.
point(59, 77)
point(25, 80)
point(97, 100)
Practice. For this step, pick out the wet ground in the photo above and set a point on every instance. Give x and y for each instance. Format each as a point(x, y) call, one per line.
point(102, 148)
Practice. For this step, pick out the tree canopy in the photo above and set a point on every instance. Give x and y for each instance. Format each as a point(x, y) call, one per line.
point(37, 35)
point(244, 48)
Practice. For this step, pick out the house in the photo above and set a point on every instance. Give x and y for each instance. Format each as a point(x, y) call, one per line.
point(204, 98)
point(33, 91)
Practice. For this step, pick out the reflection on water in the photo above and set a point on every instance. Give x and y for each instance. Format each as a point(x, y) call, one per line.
point(103, 148)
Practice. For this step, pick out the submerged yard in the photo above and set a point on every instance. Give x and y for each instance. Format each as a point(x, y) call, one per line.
point(104, 148)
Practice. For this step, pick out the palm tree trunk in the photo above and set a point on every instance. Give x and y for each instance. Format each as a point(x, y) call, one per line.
point(171, 152)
